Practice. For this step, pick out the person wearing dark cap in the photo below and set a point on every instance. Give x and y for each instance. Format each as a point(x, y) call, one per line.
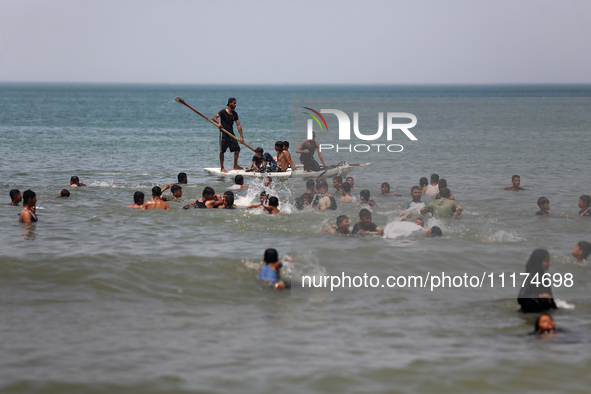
point(227, 117)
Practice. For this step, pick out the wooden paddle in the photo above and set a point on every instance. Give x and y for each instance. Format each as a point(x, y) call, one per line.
point(181, 100)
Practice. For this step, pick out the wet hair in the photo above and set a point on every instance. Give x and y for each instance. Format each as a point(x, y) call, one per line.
point(175, 187)
point(239, 179)
point(586, 199)
point(273, 201)
point(415, 188)
point(231, 100)
point(364, 195)
point(65, 193)
point(138, 197)
point(156, 191)
point(364, 212)
point(423, 181)
point(534, 264)
point(422, 221)
point(436, 231)
point(346, 187)
point(207, 190)
point(279, 143)
point(269, 178)
point(259, 150)
point(349, 177)
point(585, 248)
point(263, 193)
point(515, 176)
point(27, 195)
point(310, 184)
point(286, 144)
point(442, 183)
point(75, 180)
point(14, 194)
point(338, 178)
point(321, 184)
point(444, 192)
point(182, 177)
point(229, 197)
point(434, 178)
point(537, 324)
point(542, 201)
point(300, 200)
point(341, 218)
point(386, 184)
point(271, 256)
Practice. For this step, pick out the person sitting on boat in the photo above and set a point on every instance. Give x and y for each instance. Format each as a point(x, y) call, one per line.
point(306, 151)
point(271, 209)
point(260, 159)
point(270, 165)
point(287, 155)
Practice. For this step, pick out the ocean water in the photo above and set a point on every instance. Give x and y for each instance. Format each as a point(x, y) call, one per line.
point(98, 298)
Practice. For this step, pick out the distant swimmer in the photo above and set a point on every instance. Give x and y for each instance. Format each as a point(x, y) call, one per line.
point(138, 200)
point(536, 295)
point(442, 184)
point(405, 229)
point(271, 209)
point(177, 192)
point(385, 190)
point(304, 201)
point(365, 226)
point(544, 205)
point(545, 326)
point(346, 192)
point(227, 118)
point(337, 184)
point(271, 271)
point(181, 178)
point(209, 200)
point(584, 203)
point(267, 181)
point(323, 199)
point(365, 198)
point(581, 252)
point(264, 198)
point(28, 214)
point(516, 181)
point(414, 205)
point(433, 188)
point(423, 183)
point(306, 151)
point(76, 182)
point(15, 197)
point(156, 202)
point(350, 181)
point(228, 201)
point(341, 228)
point(444, 207)
point(238, 183)
point(64, 193)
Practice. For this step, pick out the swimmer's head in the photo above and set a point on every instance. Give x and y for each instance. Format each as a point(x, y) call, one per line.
point(364, 195)
point(208, 191)
point(271, 256)
point(582, 250)
point(263, 197)
point(350, 181)
point(423, 182)
point(539, 262)
point(176, 190)
point(229, 198)
point(138, 198)
point(416, 193)
point(434, 232)
point(385, 187)
point(544, 324)
point(434, 178)
point(419, 222)
point(543, 202)
point(516, 181)
point(365, 215)
point(239, 180)
point(310, 184)
point(65, 193)
point(584, 201)
point(346, 187)
point(442, 183)
point(156, 191)
point(182, 177)
point(445, 192)
point(74, 180)
point(15, 196)
point(267, 181)
point(273, 202)
point(28, 196)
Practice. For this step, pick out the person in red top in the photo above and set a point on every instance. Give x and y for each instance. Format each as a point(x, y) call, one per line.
point(516, 180)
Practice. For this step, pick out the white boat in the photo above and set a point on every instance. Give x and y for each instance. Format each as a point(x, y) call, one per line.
point(330, 171)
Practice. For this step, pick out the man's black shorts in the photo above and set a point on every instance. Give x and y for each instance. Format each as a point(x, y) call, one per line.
point(228, 142)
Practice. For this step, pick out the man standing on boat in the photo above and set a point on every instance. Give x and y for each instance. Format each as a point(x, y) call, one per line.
point(227, 118)
point(307, 149)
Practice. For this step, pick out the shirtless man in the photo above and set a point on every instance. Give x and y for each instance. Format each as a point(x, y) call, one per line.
point(28, 214)
point(271, 209)
point(283, 158)
point(287, 155)
point(228, 117)
point(306, 150)
point(156, 202)
point(138, 200)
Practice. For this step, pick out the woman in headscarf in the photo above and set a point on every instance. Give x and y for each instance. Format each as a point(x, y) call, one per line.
point(534, 296)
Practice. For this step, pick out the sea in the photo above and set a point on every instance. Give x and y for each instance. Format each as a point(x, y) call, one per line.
point(96, 297)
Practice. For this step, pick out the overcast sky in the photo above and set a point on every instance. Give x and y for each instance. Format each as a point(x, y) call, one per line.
point(293, 42)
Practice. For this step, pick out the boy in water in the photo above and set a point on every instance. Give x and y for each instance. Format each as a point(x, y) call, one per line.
point(365, 226)
point(138, 200)
point(228, 201)
point(64, 193)
point(238, 182)
point(544, 205)
point(15, 197)
point(181, 178)
point(350, 181)
point(581, 251)
point(271, 209)
point(156, 202)
point(364, 196)
point(516, 181)
point(76, 182)
point(584, 203)
point(28, 214)
point(271, 271)
point(342, 226)
point(177, 192)
point(323, 200)
point(337, 184)
point(346, 191)
point(433, 188)
point(385, 189)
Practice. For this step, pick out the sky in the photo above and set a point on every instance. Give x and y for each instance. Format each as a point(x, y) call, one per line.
point(296, 42)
